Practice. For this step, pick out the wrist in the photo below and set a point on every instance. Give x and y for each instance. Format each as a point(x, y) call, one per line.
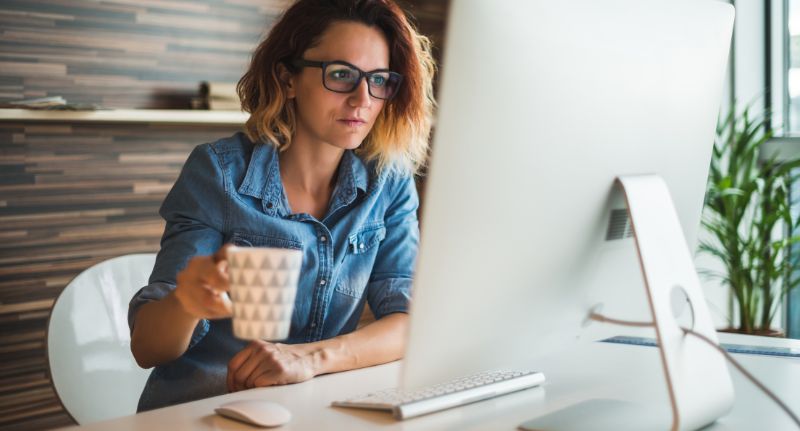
point(180, 310)
point(323, 357)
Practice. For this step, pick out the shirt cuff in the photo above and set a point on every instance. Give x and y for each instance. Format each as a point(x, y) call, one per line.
point(388, 296)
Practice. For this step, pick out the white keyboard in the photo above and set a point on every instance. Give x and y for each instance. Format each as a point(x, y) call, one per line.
point(408, 404)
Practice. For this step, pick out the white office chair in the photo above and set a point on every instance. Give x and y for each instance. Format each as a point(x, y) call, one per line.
point(88, 341)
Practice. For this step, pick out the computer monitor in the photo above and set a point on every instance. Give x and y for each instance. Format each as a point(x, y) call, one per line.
point(543, 104)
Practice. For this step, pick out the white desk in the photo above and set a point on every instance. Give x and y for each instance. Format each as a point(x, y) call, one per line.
point(597, 370)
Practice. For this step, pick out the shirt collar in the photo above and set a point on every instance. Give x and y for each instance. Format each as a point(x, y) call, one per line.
point(263, 180)
point(352, 178)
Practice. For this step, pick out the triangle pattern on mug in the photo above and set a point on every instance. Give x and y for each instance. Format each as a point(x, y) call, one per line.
point(282, 277)
point(257, 281)
point(272, 294)
point(249, 311)
point(266, 263)
point(264, 313)
point(250, 275)
point(248, 263)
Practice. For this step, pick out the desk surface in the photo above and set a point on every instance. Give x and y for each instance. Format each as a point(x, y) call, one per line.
point(586, 371)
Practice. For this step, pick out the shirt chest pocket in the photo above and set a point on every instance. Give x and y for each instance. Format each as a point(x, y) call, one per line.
point(359, 258)
point(254, 240)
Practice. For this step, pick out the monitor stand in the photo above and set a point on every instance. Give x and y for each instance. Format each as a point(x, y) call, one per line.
point(698, 382)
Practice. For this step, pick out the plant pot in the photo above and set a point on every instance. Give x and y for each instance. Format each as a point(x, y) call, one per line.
point(760, 332)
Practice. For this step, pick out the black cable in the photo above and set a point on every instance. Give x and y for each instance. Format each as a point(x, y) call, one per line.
point(601, 318)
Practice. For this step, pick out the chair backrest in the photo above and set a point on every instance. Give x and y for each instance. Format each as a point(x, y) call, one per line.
point(88, 341)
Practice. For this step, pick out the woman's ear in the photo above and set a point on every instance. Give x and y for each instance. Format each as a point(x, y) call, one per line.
point(287, 79)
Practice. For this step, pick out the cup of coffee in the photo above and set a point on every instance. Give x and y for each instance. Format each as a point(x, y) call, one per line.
point(263, 287)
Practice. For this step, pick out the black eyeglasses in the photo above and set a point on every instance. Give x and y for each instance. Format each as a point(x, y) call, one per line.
point(342, 77)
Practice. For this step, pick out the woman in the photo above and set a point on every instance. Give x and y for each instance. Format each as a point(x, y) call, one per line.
point(341, 100)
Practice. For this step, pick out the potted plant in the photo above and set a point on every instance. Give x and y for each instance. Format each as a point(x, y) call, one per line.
point(748, 214)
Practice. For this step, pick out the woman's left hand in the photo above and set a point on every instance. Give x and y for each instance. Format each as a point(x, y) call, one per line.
point(262, 363)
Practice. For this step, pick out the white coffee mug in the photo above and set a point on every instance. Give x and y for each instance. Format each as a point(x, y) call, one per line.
point(263, 287)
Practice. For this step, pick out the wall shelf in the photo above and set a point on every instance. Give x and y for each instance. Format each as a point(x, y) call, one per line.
point(150, 116)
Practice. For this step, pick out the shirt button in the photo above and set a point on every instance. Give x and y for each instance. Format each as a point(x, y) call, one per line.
point(322, 282)
point(361, 246)
point(269, 204)
point(322, 238)
point(313, 324)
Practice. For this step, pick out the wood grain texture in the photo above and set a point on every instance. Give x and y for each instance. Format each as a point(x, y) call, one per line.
point(71, 198)
point(74, 194)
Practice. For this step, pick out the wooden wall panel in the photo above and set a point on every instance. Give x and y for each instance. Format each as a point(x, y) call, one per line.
point(74, 194)
point(126, 53)
point(71, 196)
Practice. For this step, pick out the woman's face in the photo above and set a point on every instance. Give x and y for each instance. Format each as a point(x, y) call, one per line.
point(339, 119)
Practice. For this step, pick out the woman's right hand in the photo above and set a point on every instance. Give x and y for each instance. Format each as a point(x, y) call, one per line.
point(203, 285)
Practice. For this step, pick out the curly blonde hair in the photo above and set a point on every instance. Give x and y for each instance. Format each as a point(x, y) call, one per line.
point(399, 138)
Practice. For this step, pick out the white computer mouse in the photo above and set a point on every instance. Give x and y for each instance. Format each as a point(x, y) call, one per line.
point(256, 412)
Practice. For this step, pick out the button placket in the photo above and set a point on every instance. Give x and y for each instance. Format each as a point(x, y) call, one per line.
point(325, 248)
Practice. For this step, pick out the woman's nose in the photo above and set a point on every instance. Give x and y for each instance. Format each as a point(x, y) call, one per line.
point(360, 97)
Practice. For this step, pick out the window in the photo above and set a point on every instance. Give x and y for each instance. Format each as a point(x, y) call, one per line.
point(791, 54)
point(783, 79)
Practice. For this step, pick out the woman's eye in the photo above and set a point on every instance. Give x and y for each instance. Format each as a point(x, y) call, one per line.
point(378, 81)
point(342, 75)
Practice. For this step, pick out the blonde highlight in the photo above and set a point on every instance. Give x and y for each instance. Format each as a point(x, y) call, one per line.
point(399, 139)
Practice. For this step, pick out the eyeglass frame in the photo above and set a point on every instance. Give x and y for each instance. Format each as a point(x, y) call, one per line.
point(301, 62)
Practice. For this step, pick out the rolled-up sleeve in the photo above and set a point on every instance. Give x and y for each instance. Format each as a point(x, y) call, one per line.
point(194, 212)
point(389, 287)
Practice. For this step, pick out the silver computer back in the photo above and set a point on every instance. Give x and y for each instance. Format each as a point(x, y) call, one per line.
point(543, 103)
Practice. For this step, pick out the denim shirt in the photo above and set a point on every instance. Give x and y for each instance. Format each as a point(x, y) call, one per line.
point(230, 191)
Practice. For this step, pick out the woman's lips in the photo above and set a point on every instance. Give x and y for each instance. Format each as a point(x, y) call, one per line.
point(352, 122)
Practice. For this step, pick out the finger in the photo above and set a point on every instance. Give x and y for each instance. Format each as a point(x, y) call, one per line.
point(270, 378)
point(266, 365)
point(217, 305)
point(226, 305)
point(234, 364)
point(248, 367)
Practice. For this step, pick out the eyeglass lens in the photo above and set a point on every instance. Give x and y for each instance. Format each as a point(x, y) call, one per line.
point(344, 79)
